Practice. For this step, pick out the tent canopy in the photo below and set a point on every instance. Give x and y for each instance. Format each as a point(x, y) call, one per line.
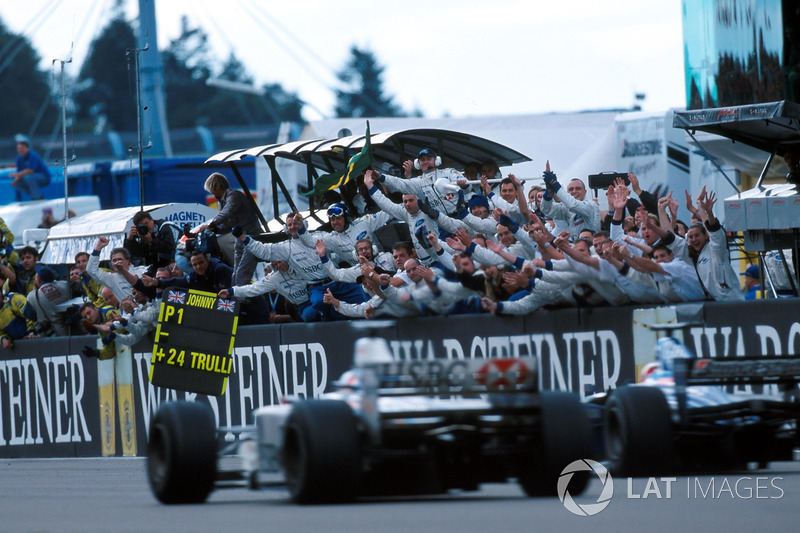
point(80, 234)
point(391, 148)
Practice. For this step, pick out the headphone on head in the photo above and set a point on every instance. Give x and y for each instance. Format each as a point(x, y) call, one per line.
point(427, 151)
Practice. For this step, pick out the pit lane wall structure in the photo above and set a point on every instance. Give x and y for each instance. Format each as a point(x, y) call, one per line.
point(50, 395)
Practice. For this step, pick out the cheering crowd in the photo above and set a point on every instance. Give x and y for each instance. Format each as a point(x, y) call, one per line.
point(467, 246)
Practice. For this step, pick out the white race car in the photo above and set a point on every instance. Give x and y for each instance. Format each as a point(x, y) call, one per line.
point(390, 427)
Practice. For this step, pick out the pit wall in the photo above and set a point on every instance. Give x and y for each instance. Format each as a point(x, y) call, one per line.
point(56, 403)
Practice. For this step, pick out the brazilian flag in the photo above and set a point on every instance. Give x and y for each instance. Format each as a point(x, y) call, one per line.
point(357, 164)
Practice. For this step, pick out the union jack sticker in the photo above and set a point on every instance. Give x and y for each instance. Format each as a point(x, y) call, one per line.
point(177, 297)
point(226, 305)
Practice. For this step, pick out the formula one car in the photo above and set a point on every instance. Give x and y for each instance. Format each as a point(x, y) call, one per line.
point(390, 427)
point(682, 418)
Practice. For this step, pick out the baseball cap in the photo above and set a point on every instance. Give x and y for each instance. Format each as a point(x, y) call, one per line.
point(752, 271)
point(426, 151)
point(23, 139)
point(46, 275)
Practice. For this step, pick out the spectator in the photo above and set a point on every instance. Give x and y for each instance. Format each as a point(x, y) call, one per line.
point(479, 217)
point(430, 292)
point(44, 299)
point(7, 252)
point(342, 240)
point(120, 264)
point(235, 209)
point(511, 199)
point(48, 220)
point(676, 280)
point(32, 172)
point(574, 209)
point(752, 282)
point(25, 270)
point(301, 259)
point(108, 295)
point(383, 298)
point(91, 287)
point(151, 242)
point(440, 186)
point(285, 282)
point(706, 247)
point(94, 316)
point(16, 319)
point(135, 325)
point(210, 275)
point(411, 212)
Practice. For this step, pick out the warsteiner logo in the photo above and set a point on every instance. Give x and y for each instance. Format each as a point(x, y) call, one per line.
point(589, 509)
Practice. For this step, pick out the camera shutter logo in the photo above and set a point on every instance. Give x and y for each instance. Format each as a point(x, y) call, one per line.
point(589, 509)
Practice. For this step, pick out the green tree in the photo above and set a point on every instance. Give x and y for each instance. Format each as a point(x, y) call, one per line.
point(27, 105)
point(188, 65)
point(106, 91)
point(365, 95)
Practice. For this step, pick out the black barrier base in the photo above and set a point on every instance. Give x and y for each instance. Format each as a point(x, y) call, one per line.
point(49, 393)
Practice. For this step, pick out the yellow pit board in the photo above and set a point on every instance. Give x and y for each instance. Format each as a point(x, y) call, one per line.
point(194, 341)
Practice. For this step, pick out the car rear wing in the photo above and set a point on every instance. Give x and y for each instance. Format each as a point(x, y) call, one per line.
point(751, 370)
point(442, 377)
point(738, 370)
point(462, 376)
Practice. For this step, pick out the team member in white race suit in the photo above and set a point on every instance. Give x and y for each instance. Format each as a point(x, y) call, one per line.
point(346, 233)
point(439, 185)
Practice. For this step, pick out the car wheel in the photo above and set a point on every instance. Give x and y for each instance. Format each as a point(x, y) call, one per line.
point(638, 431)
point(565, 437)
point(182, 453)
point(322, 452)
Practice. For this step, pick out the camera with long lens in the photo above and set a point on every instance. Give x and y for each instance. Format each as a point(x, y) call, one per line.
point(141, 231)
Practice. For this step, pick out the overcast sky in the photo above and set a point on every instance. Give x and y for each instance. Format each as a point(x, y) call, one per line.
point(446, 57)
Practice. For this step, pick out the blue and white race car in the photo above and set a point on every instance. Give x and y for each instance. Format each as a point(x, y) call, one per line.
point(390, 427)
point(683, 417)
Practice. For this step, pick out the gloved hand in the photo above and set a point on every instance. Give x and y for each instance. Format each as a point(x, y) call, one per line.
point(551, 181)
point(123, 321)
point(237, 231)
point(428, 209)
point(90, 352)
point(461, 206)
point(506, 221)
point(422, 237)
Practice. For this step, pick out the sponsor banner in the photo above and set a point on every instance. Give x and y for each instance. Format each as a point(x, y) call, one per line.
point(50, 405)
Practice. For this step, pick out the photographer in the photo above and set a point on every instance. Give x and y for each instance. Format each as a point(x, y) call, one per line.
point(235, 209)
point(151, 242)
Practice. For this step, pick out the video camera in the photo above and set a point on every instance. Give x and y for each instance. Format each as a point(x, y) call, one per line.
point(604, 180)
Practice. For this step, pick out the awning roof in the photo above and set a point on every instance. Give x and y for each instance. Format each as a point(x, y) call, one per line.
point(80, 234)
point(770, 127)
point(457, 148)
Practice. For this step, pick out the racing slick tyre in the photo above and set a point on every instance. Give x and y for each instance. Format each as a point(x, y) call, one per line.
point(638, 431)
point(565, 437)
point(322, 452)
point(182, 453)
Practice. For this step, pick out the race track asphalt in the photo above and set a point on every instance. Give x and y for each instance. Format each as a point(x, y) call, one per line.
point(112, 495)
